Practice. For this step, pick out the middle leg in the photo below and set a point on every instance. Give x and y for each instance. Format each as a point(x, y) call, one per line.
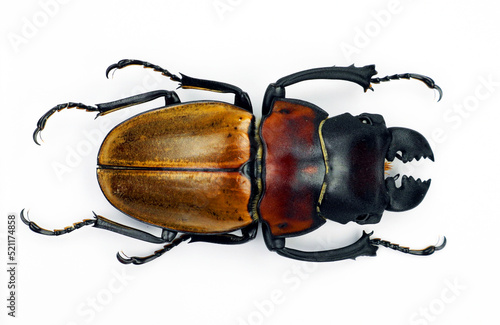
point(248, 233)
point(241, 98)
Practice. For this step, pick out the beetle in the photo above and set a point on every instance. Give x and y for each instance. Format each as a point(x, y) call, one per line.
point(205, 171)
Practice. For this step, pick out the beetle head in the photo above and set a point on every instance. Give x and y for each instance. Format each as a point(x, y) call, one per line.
point(357, 148)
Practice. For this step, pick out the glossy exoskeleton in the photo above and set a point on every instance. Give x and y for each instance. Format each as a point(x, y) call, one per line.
point(207, 170)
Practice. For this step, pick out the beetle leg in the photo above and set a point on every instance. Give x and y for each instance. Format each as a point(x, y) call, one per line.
point(141, 260)
point(426, 251)
point(33, 226)
point(125, 63)
point(102, 223)
point(105, 108)
point(170, 98)
point(362, 247)
point(241, 98)
point(426, 80)
point(248, 233)
point(358, 75)
point(43, 120)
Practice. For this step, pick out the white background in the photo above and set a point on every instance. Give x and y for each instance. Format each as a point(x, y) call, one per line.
point(54, 51)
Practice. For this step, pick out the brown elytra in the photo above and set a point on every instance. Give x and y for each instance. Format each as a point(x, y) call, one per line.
point(181, 167)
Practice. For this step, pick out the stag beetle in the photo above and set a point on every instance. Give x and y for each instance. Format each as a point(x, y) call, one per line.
point(206, 169)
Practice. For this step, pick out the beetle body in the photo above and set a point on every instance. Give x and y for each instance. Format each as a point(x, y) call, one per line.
point(207, 170)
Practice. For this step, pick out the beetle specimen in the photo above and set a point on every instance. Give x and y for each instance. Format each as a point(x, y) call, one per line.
point(205, 169)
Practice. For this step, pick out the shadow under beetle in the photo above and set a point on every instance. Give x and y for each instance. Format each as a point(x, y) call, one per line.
point(206, 169)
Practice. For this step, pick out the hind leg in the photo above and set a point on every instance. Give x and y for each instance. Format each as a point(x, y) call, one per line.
point(105, 108)
point(102, 223)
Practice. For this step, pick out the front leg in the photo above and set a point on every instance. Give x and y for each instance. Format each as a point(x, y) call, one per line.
point(362, 247)
point(359, 75)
